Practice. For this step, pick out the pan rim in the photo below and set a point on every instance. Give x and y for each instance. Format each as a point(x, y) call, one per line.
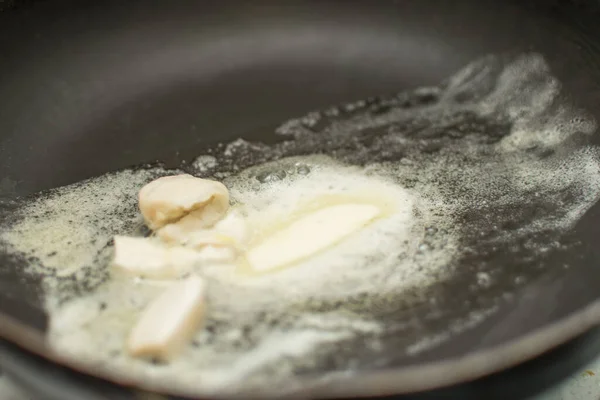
point(392, 381)
point(420, 377)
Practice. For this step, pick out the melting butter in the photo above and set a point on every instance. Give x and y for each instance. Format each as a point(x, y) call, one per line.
point(309, 235)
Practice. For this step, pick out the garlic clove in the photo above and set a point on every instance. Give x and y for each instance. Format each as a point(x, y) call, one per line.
point(170, 198)
point(169, 322)
point(217, 254)
point(149, 258)
point(234, 225)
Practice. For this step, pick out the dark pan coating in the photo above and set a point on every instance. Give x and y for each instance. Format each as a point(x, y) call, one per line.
point(93, 89)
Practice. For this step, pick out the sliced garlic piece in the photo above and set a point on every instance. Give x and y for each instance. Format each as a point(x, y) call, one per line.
point(193, 236)
point(169, 322)
point(217, 254)
point(310, 234)
point(210, 245)
point(199, 239)
point(232, 230)
point(234, 225)
point(171, 198)
point(148, 258)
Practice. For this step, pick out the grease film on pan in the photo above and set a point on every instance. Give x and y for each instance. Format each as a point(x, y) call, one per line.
point(492, 161)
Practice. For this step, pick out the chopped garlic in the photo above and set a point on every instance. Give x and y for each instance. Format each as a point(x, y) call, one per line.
point(217, 254)
point(148, 258)
point(195, 238)
point(170, 321)
point(234, 225)
point(232, 230)
point(310, 234)
point(171, 198)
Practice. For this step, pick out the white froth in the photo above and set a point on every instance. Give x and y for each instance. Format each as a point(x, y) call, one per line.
point(348, 268)
point(261, 330)
point(578, 173)
point(204, 163)
point(68, 228)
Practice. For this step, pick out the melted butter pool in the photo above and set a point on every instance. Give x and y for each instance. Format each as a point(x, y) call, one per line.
point(481, 179)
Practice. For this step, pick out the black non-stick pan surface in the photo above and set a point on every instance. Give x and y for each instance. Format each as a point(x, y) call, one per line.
point(92, 87)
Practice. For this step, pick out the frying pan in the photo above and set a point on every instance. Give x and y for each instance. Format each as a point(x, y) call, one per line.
point(94, 87)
